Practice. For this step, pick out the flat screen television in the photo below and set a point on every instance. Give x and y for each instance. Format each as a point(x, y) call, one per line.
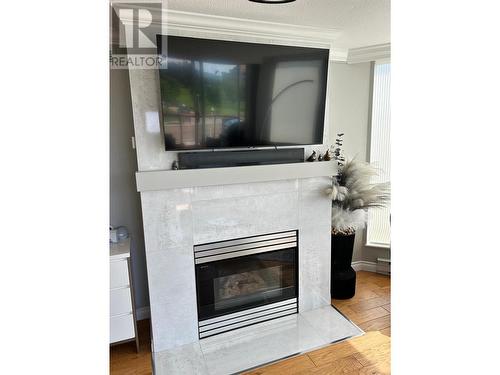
point(222, 94)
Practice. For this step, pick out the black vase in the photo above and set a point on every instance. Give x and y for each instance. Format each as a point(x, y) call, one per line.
point(343, 280)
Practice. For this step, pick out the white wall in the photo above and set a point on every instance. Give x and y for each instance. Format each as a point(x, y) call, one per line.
point(350, 114)
point(125, 208)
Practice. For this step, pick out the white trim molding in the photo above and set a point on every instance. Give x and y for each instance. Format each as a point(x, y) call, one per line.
point(362, 265)
point(339, 54)
point(369, 53)
point(210, 26)
point(382, 266)
point(187, 21)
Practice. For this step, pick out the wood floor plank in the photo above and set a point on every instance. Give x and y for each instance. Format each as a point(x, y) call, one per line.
point(293, 366)
point(361, 295)
point(344, 309)
point(347, 348)
point(386, 331)
point(370, 303)
point(387, 307)
point(382, 368)
point(377, 324)
point(341, 303)
point(382, 281)
point(124, 360)
point(365, 315)
point(369, 285)
point(374, 355)
point(341, 366)
point(363, 276)
point(129, 367)
point(382, 292)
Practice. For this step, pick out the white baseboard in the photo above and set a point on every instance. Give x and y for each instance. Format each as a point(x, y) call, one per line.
point(362, 265)
point(142, 313)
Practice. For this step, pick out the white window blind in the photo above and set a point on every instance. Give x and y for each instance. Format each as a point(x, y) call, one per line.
point(378, 229)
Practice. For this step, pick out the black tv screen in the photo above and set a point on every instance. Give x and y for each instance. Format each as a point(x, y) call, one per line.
point(222, 94)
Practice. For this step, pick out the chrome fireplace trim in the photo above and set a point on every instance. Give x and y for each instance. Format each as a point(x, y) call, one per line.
point(239, 241)
point(214, 326)
point(244, 246)
point(278, 300)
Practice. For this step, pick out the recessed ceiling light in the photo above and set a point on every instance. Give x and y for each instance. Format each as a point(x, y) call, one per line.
point(272, 1)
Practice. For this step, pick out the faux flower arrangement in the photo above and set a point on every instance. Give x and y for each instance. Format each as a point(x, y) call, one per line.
point(352, 192)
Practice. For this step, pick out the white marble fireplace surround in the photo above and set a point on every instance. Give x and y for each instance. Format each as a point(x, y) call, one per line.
point(175, 220)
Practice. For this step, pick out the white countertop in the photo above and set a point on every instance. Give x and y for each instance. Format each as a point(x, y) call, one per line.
point(120, 250)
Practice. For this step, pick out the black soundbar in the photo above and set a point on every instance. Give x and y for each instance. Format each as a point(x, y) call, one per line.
point(218, 159)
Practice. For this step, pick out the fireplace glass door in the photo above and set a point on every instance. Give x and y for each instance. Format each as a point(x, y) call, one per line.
point(243, 282)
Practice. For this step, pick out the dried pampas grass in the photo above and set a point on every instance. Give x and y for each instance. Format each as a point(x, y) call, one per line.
point(346, 221)
point(352, 194)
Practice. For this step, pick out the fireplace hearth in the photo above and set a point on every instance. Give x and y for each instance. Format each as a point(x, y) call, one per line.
point(245, 281)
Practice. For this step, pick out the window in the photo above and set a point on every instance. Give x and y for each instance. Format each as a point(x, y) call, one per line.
point(378, 228)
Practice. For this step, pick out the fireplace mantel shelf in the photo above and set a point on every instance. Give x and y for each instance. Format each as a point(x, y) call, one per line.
point(174, 179)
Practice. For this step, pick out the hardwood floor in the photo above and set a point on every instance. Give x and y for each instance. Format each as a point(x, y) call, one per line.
point(369, 354)
point(123, 358)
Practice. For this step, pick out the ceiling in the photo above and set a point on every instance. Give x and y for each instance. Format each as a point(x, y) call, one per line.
point(360, 22)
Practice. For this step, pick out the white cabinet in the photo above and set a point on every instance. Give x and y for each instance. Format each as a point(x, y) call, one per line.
point(120, 301)
point(122, 320)
point(118, 273)
point(121, 328)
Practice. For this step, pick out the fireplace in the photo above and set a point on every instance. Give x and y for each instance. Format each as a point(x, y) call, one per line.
point(245, 281)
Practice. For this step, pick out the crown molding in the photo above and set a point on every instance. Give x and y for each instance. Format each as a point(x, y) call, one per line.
point(339, 54)
point(229, 28)
point(196, 21)
point(200, 25)
point(369, 53)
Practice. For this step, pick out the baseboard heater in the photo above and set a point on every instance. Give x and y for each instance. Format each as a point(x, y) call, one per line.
point(218, 159)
